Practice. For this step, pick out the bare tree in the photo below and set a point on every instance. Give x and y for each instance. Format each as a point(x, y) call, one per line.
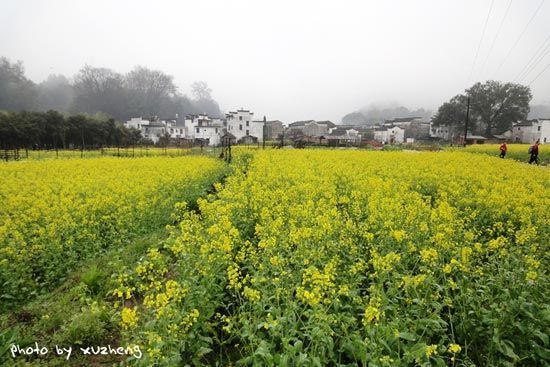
point(100, 89)
point(201, 91)
point(148, 90)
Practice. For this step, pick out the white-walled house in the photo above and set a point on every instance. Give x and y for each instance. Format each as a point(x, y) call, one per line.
point(312, 127)
point(403, 121)
point(176, 131)
point(530, 131)
point(389, 134)
point(444, 132)
point(241, 124)
point(153, 129)
point(345, 134)
point(136, 123)
point(204, 128)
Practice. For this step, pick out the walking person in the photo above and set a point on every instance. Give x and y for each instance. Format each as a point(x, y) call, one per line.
point(534, 151)
point(503, 150)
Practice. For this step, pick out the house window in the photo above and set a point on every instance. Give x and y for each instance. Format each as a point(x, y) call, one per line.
point(519, 128)
point(240, 118)
point(216, 130)
point(240, 126)
point(538, 129)
point(198, 130)
point(247, 132)
point(248, 124)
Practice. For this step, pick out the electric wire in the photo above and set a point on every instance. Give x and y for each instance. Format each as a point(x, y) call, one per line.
point(481, 40)
point(535, 60)
point(518, 39)
point(496, 35)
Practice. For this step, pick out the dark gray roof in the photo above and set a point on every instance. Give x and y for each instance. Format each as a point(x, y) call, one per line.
point(525, 123)
point(327, 122)
point(300, 123)
point(341, 130)
point(303, 123)
point(403, 119)
point(478, 137)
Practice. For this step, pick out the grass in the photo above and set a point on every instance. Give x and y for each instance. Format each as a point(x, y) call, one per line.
point(77, 313)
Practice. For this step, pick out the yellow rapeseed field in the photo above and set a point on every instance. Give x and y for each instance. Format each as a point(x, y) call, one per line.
point(351, 258)
point(515, 151)
point(55, 213)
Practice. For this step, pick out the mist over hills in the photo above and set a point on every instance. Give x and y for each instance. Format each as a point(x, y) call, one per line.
point(539, 111)
point(139, 92)
point(375, 113)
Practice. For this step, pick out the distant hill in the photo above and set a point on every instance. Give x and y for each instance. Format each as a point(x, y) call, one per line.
point(539, 111)
point(373, 114)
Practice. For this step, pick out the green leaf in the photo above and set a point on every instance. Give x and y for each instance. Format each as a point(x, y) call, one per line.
point(407, 336)
point(505, 348)
point(543, 337)
point(202, 351)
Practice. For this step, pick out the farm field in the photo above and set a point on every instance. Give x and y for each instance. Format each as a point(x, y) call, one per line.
point(352, 258)
point(297, 258)
point(56, 213)
point(515, 151)
point(100, 153)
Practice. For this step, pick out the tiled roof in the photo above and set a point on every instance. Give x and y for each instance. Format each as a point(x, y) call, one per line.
point(327, 122)
point(525, 123)
point(300, 123)
point(403, 119)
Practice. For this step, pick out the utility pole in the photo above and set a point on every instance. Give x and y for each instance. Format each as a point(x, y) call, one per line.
point(467, 117)
point(263, 132)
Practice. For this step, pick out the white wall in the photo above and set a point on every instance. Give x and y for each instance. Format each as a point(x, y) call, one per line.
point(544, 133)
point(386, 136)
point(238, 123)
point(212, 133)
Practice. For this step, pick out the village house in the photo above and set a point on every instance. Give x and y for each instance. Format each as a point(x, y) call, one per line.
point(153, 129)
point(204, 129)
point(273, 129)
point(402, 122)
point(530, 131)
point(311, 127)
point(444, 132)
point(472, 139)
point(344, 135)
point(242, 126)
point(389, 134)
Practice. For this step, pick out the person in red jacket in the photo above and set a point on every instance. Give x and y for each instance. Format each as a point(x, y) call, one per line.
point(534, 150)
point(503, 150)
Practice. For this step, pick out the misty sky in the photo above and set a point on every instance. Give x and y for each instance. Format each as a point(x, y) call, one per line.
point(288, 60)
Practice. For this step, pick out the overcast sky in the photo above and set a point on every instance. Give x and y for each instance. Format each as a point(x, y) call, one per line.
point(289, 60)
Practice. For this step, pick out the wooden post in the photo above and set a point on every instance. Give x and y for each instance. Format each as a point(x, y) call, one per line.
point(466, 123)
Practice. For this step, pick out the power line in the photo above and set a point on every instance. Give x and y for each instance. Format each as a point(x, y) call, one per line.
point(518, 39)
point(535, 60)
point(539, 74)
point(481, 40)
point(496, 35)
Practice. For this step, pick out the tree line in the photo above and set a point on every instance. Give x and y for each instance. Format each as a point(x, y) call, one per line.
point(494, 107)
point(140, 92)
point(53, 130)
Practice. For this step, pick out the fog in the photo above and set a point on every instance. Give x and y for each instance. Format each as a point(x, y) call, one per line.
point(291, 60)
